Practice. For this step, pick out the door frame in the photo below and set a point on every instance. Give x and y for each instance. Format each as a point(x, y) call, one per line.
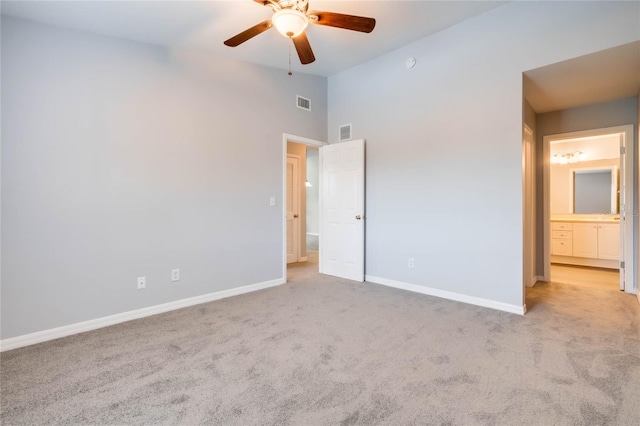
point(287, 137)
point(529, 208)
point(629, 194)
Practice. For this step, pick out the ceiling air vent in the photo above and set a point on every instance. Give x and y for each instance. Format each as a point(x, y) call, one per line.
point(303, 103)
point(345, 133)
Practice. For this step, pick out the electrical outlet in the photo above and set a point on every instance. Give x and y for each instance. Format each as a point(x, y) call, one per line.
point(411, 262)
point(175, 275)
point(142, 283)
point(272, 201)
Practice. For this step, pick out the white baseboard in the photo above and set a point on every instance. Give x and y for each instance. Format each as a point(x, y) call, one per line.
point(514, 309)
point(313, 234)
point(68, 330)
point(303, 259)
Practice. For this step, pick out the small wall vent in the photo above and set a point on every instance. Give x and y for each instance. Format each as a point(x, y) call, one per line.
point(303, 103)
point(344, 133)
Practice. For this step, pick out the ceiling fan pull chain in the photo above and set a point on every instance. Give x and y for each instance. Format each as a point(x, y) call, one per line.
point(290, 73)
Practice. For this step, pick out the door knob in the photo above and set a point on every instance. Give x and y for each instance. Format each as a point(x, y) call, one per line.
point(358, 217)
point(295, 215)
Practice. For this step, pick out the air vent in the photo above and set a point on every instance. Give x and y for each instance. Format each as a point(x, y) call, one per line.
point(345, 133)
point(303, 103)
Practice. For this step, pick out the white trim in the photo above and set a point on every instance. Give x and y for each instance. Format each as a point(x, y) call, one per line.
point(313, 234)
point(320, 206)
point(486, 303)
point(529, 208)
point(287, 137)
point(300, 139)
point(81, 327)
point(539, 278)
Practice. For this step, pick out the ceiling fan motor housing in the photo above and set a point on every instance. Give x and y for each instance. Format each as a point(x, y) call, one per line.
point(299, 5)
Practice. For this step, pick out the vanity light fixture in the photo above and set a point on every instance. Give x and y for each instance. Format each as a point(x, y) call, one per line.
point(567, 157)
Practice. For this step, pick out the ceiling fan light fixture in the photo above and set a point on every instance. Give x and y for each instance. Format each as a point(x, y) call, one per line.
point(290, 22)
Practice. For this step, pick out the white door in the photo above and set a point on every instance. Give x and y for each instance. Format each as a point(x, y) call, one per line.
point(293, 192)
point(342, 210)
point(626, 227)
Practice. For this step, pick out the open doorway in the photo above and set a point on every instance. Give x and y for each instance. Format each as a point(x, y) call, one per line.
point(588, 233)
point(301, 241)
point(599, 90)
point(341, 183)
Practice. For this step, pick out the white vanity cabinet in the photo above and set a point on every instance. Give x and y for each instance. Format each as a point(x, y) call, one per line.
point(586, 243)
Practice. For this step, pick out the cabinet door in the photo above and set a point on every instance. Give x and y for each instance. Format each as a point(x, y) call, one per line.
point(561, 248)
point(609, 241)
point(585, 240)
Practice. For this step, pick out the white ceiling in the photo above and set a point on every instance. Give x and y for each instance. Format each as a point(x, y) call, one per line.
point(603, 76)
point(205, 25)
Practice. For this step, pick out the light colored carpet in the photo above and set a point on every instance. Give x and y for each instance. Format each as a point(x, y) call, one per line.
point(321, 351)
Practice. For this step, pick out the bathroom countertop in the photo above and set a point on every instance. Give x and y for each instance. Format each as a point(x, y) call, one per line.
point(586, 219)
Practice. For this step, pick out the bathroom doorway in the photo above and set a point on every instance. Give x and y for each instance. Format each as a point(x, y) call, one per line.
point(588, 208)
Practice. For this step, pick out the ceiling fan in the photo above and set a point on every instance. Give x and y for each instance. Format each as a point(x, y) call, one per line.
point(291, 18)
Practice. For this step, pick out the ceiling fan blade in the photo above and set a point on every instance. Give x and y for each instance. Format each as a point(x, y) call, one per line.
point(304, 49)
point(249, 34)
point(339, 20)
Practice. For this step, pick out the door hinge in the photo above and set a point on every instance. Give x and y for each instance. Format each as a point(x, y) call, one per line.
point(623, 150)
point(622, 265)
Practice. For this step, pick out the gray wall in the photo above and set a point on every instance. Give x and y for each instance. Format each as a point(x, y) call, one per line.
point(607, 114)
point(530, 116)
point(444, 140)
point(121, 160)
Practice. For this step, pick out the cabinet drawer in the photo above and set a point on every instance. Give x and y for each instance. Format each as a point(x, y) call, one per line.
point(562, 247)
point(561, 226)
point(561, 235)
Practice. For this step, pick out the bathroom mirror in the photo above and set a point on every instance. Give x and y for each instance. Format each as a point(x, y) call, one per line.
point(595, 191)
